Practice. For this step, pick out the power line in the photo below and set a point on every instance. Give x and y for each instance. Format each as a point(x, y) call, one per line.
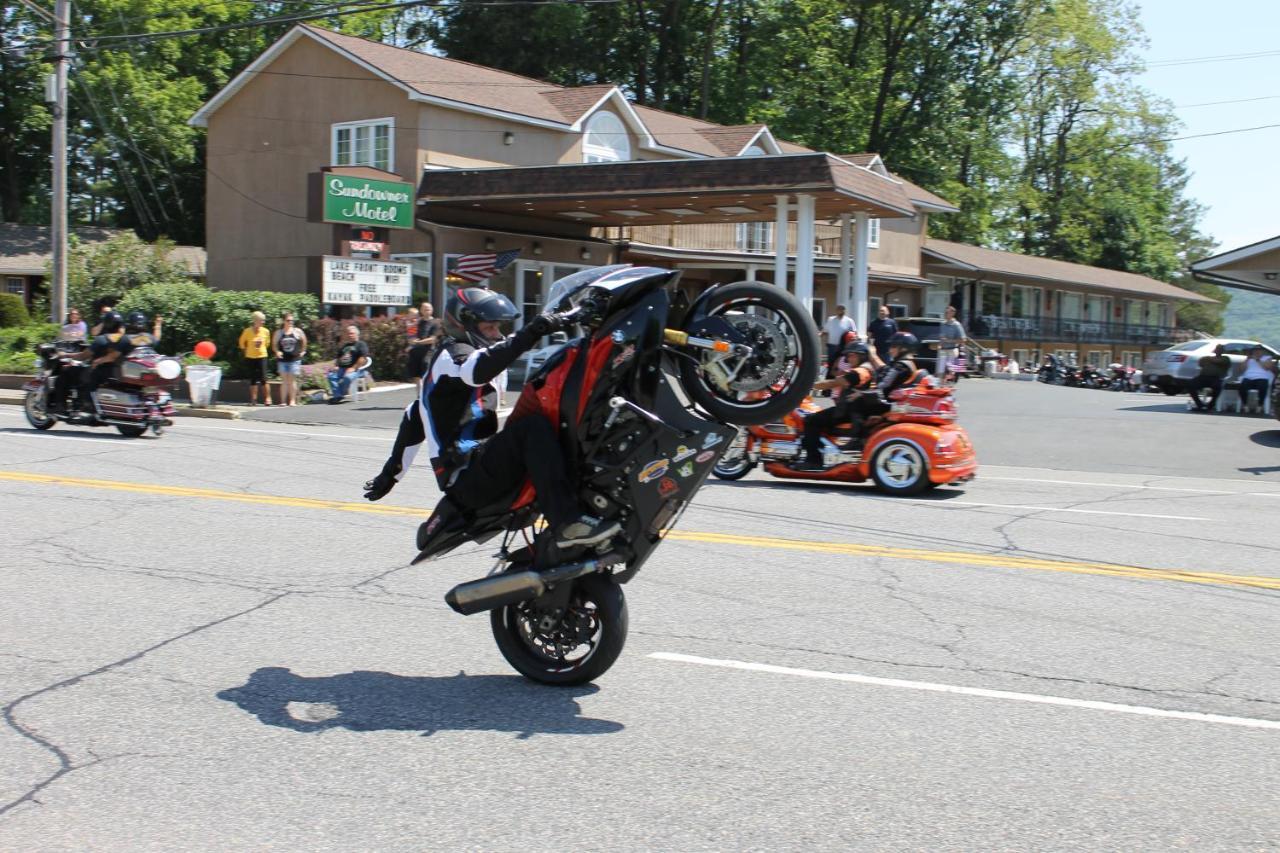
point(1233, 101)
point(1223, 57)
point(340, 10)
point(250, 198)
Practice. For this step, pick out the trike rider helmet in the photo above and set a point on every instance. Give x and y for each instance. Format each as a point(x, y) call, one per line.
point(112, 322)
point(135, 322)
point(859, 349)
point(468, 307)
point(906, 341)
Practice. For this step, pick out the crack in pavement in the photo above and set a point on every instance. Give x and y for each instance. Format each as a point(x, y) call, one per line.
point(65, 763)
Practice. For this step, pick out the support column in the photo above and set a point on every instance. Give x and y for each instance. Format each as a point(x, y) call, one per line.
point(858, 304)
point(805, 235)
point(752, 271)
point(780, 243)
point(844, 284)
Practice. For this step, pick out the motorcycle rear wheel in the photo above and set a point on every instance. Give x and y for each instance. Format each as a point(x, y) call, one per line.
point(33, 406)
point(736, 463)
point(596, 619)
point(131, 431)
point(776, 316)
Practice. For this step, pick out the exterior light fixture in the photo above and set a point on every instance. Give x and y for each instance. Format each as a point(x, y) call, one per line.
point(1269, 276)
point(537, 248)
point(585, 254)
point(508, 138)
point(489, 245)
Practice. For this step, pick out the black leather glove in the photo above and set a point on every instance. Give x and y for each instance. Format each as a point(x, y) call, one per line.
point(379, 486)
point(543, 325)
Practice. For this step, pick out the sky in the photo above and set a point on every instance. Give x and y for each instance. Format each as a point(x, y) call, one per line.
point(1237, 176)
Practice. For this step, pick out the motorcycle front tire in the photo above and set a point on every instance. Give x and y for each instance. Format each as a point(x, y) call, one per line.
point(131, 431)
point(611, 610)
point(31, 403)
point(782, 402)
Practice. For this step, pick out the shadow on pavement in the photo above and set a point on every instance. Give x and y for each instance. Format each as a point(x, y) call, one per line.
point(1178, 408)
point(74, 430)
point(942, 493)
point(1266, 437)
point(380, 701)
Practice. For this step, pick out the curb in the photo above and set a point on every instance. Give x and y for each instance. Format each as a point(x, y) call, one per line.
point(221, 413)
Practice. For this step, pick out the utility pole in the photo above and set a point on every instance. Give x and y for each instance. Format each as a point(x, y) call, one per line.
point(57, 93)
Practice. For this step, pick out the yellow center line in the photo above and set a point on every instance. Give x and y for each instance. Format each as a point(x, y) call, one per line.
point(965, 558)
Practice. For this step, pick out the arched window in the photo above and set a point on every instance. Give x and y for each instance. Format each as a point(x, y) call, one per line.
point(605, 139)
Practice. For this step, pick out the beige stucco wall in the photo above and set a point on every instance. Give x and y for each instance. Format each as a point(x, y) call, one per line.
point(265, 140)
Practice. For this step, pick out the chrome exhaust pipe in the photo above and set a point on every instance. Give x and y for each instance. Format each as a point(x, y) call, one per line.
point(500, 590)
point(497, 591)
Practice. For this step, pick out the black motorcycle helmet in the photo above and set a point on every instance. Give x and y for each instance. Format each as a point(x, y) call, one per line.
point(468, 307)
point(857, 348)
point(112, 322)
point(905, 340)
point(135, 322)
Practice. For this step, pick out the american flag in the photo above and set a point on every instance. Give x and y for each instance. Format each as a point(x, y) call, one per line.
point(480, 267)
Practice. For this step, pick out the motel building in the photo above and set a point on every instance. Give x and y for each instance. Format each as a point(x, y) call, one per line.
point(361, 172)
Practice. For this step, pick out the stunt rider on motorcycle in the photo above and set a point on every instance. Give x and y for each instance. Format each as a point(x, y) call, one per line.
point(859, 377)
point(455, 415)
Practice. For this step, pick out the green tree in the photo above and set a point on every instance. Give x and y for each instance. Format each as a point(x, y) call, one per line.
point(115, 267)
point(24, 118)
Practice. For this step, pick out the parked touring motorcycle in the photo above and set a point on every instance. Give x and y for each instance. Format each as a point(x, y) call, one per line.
point(913, 447)
point(134, 400)
point(638, 450)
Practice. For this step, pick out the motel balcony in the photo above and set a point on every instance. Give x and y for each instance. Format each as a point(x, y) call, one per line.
point(1078, 331)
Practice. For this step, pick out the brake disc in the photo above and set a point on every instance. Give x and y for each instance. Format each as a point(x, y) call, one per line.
point(766, 362)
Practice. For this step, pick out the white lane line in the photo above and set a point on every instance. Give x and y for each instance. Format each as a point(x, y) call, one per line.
point(55, 436)
point(1035, 698)
point(944, 504)
point(1115, 485)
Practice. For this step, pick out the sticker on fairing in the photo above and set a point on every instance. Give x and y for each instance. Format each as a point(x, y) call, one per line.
point(625, 354)
point(705, 456)
point(654, 470)
point(712, 439)
point(683, 453)
point(667, 487)
point(685, 470)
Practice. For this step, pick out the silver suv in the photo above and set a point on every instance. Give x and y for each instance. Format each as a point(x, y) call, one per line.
point(1169, 368)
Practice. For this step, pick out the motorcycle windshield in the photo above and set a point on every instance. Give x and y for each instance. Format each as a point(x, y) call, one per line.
point(566, 292)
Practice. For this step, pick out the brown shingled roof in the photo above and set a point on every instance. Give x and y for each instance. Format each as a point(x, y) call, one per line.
point(731, 139)
point(27, 249)
point(1031, 267)
point(574, 103)
point(920, 194)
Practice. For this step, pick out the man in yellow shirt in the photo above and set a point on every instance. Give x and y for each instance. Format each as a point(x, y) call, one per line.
point(254, 343)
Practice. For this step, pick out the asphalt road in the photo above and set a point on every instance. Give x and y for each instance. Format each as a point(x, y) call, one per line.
point(208, 642)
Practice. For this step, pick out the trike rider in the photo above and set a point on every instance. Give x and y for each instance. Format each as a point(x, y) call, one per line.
point(455, 415)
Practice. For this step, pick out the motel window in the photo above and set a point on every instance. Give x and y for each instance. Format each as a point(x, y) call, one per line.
point(1069, 305)
point(16, 285)
point(819, 311)
point(364, 143)
point(1130, 358)
point(1135, 312)
point(605, 140)
point(755, 236)
point(993, 299)
point(1160, 314)
point(1024, 301)
point(873, 232)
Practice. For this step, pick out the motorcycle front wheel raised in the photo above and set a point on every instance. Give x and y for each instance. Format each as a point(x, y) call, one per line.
point(777, 373)
point(578, 647)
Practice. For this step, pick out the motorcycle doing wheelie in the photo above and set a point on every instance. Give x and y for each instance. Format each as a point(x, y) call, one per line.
point(135, 399)
point(645, 402)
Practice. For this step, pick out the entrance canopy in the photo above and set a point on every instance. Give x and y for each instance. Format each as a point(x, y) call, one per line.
point(1253, 267)
point(663, 192)
point(573, 198)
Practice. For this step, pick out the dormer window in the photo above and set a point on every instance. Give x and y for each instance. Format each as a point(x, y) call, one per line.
point(364, 143)
point(605, 139)
point(754, 151)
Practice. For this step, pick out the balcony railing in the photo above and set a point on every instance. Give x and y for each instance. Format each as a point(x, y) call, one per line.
point(1080, 331)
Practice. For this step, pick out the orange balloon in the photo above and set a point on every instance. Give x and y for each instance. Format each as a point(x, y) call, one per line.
point(206, 349)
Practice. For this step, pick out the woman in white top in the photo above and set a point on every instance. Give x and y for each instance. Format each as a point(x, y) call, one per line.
point(1259, 369)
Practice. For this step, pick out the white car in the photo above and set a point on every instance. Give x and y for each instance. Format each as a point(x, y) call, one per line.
point(1169, 368)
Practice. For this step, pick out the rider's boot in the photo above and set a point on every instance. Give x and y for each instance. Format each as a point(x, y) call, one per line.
point(585, 530)
point(811, 462)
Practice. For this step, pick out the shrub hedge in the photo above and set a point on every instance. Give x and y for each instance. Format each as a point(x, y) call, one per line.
point(13, 311)
point(18, 346)
point(193, 312)
point(385, 336)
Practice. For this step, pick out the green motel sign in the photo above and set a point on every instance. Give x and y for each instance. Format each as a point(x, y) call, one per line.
point(361, 201)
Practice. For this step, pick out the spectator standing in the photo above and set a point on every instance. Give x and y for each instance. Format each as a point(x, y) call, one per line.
point(1259, 371)
point(74, 329)
point(290, 345)
point(353, 358)
point(1214, 370)
point(833, 335)
point(882, 328)
point(253, 343)
point(422, 338)
point(950, 336)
